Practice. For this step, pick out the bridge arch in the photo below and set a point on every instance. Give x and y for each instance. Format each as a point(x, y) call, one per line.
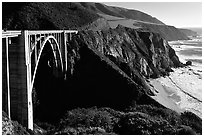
point(58, 64)
point(23, 66)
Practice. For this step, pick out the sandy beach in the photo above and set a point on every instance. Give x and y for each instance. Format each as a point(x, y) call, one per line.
point(181, 91)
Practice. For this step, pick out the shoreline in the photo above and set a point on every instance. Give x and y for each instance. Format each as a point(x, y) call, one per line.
point(179, 91)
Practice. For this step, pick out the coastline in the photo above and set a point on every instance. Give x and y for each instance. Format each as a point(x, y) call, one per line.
point(179, 91)
point(183, 87)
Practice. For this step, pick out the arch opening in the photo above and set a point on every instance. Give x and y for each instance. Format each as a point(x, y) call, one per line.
point(47, 81)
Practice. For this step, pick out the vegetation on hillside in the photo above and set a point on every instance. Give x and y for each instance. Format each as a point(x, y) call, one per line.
point(142, 119)
point(120, 12)
point(45, 16)
point(139, 120)
point(11, 127)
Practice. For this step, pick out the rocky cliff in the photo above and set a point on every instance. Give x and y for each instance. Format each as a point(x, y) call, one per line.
point(115, 64)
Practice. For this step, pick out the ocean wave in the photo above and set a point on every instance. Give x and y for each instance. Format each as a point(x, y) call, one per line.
point(194, 42)
point(196, 60)
point(186, 47)
point(199, 61)
point(189, 50)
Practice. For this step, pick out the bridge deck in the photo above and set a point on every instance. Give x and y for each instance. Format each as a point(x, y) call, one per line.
point(15, 33)
point(11, 33)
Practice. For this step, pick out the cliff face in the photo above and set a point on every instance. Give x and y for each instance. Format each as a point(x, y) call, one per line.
point(114, 64)
point(145, 53)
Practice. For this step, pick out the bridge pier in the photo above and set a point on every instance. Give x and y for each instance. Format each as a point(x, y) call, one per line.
point(67, 37)
point(5, 77)
point(17, 103)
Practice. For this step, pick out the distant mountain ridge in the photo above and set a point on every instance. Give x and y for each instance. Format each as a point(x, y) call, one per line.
point(188, 32)
point(120, 12)
point(134, 19)
point(78, 15)
point(169, 33)
point(193, 30)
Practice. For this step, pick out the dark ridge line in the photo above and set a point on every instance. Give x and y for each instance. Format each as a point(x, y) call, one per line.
point(185, 91)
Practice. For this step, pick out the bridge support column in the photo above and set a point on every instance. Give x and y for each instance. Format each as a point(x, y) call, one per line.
point(5, 77)
point(20, 79)
point(29, 80)
point(65, 55)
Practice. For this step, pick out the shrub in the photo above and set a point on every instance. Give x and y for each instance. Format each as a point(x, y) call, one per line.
point(10, 127)
point(49, 128)
point(185, 130)
point(82, 131)
point(171, 116)
point(143, 124)
point(142, 120)
point(190, 119)
point(87, 118)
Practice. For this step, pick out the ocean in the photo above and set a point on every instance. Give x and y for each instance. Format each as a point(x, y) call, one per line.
point(189, 79)
point(189, 50)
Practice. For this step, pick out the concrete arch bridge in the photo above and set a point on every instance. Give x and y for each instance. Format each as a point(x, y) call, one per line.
point(21, 54)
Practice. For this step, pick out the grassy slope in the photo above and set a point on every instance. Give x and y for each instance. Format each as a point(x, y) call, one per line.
point(46, 16)
point(135, 19)
point(120, 12)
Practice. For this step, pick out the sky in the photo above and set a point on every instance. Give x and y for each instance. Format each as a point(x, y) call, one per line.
point(178, 14)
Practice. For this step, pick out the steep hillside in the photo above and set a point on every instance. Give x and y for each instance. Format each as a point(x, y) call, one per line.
point(134, 19)
point(167, 32)
point(46, 16)
point(115, 63)
point(50, 15)
point(107, 68)
point(120, 12)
